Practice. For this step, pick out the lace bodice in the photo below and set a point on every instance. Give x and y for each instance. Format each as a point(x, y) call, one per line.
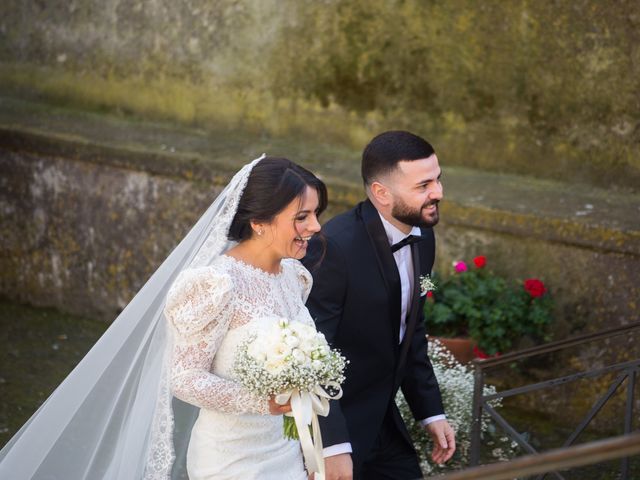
point(206, 305)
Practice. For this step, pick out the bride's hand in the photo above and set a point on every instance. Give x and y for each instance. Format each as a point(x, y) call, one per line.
point(276, 408)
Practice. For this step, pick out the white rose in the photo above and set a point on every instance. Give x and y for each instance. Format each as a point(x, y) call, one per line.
point(295, 327)
point(298, 355)
point(281, 348)
point(292, 341)
point(313, 346)
point(274, 365)
point(302, 330)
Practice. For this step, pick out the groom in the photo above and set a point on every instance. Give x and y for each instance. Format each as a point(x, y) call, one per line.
point(367, 300)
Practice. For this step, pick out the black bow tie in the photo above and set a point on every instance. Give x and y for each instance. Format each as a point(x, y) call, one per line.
point(406, 241)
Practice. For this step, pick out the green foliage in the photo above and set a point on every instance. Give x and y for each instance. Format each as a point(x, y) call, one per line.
point(57, 340)
point(494, 312)
point(290, 428)
point(450, 56)
point(545, 88)
point(503, 85)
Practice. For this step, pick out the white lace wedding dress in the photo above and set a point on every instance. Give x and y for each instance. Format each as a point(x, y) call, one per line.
point(211, 310)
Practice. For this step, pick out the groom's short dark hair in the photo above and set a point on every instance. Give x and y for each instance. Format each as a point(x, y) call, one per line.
point(384, 152)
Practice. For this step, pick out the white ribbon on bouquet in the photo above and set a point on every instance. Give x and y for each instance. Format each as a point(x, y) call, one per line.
point(305, 408)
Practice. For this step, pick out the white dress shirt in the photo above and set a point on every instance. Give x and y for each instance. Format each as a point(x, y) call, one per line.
point(404, 262)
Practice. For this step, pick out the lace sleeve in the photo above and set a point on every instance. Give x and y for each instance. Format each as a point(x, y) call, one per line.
point(197, 308)
point(303, 277)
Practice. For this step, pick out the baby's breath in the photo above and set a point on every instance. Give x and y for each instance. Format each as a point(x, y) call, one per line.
point(456, 386)
point(426, 284)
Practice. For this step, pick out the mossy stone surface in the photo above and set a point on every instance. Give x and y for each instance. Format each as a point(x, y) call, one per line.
point(543, 88)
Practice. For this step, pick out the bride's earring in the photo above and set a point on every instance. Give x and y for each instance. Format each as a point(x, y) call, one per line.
point(258, 229)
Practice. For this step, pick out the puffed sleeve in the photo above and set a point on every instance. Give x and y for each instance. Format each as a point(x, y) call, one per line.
point(197, 309)
point(303, 278)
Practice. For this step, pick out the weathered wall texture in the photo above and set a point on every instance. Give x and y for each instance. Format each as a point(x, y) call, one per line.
point(85, 237)
point(84, 225)
point(594, 288)
point(545, 87)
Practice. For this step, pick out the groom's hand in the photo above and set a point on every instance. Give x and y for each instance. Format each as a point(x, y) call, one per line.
point(443, 440)
point(339, 467)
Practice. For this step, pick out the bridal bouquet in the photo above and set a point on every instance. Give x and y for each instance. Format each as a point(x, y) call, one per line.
point(293, 361)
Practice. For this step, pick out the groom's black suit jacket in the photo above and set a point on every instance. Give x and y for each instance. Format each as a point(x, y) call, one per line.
point(355, 302)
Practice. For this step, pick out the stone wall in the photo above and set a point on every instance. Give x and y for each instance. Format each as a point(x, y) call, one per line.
point(545, 88)
point(84, 237)
point(86, 224)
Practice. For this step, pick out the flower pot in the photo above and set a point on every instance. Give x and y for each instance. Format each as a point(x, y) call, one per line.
point(460, 347)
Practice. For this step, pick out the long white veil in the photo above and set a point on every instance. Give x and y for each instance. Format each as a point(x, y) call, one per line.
point(113, 417)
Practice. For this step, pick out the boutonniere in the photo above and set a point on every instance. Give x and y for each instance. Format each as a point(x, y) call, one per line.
point(426, 286)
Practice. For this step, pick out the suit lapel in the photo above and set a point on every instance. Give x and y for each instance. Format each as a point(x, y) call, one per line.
point(386, 263)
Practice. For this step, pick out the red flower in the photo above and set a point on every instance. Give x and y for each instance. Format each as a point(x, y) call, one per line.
point(534, 287)
point(429, 294)
point(480, 261)
point(479, 353)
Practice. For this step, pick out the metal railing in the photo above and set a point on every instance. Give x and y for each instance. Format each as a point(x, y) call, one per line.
point(554, 460)
point(628, 371)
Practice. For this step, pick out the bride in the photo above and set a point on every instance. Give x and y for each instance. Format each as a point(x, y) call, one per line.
point(115, 416)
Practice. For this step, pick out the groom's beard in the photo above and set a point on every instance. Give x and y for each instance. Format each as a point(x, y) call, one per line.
point(415, 217)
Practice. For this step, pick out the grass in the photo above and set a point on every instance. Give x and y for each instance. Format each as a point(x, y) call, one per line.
point(38, 349)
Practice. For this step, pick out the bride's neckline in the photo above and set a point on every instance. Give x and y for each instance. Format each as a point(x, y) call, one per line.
point(253, 268)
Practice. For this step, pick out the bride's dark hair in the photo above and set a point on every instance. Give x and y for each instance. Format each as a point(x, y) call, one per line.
point(273, 184)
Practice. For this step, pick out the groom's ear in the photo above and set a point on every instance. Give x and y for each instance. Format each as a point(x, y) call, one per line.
point(380, 193)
